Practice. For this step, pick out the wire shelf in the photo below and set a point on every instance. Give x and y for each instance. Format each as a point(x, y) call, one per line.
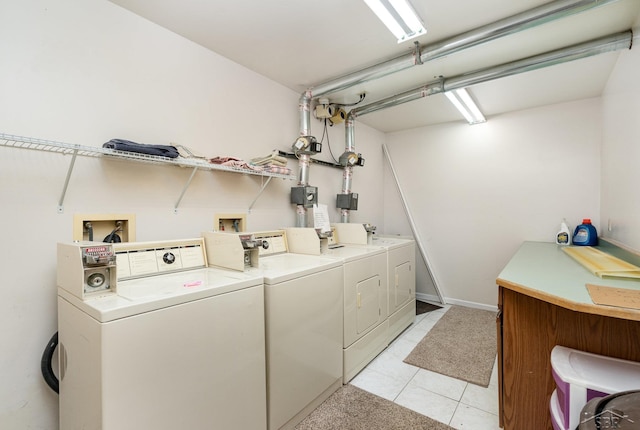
point(195, 164)
point(12, 141)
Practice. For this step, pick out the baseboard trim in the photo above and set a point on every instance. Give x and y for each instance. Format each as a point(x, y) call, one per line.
point(431, 298)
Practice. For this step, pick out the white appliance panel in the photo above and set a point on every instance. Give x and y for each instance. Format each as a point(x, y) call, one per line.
point(304, 340)
point(368, 304)
point(196, 365)
point(364, 307)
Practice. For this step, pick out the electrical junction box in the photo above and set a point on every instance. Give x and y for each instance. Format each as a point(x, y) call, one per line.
point(233, 223)
point(101, 227)
point(305, 196)
point(347, 201)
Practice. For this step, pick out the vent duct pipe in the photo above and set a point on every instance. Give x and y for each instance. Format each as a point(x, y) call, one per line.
point(531, 18)
point(610, 43)
point(537, 16)
point(614, 42)
point(347, 171)
point(304, 159)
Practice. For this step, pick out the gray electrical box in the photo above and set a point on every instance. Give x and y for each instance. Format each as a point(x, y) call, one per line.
point(304, 196)
point(347, 201)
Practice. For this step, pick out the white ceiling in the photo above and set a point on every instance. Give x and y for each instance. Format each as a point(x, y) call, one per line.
point(302, 43)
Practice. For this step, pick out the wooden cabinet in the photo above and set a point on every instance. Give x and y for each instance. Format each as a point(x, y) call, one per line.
point(530, 323)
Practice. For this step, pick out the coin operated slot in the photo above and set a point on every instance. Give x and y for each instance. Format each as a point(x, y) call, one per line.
point(87, 269)
point(252, 247)
point(99, 266)
point(306, 196)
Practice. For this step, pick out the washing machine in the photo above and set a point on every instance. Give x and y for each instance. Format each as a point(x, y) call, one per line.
point(303, 319)
point(150, 338)
point(401, 263)
point(365, 293)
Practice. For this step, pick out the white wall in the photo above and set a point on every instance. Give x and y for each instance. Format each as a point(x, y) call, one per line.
point(86, 71)
point(621, 152)
point(477, 192)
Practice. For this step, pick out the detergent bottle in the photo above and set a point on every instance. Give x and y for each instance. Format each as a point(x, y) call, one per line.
point(585, 234)
point(564, 234)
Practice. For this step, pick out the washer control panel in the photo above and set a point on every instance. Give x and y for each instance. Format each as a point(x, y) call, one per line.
point(135, 260)
point(273, 242)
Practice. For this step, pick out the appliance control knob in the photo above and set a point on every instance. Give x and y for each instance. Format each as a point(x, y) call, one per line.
point(169, 258)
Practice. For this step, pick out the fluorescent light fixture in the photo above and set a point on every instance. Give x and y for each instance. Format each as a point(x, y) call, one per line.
point(465, 104)
point(399, 17)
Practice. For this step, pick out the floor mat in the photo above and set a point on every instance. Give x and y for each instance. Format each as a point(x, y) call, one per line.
point(351, 408)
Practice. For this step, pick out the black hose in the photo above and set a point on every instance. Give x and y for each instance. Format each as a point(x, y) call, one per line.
point(46, 367)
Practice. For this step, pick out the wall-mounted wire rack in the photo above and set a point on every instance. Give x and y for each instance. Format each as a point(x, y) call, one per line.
point(195, 164)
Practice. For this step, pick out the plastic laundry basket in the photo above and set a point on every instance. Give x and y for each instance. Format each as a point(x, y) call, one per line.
point(581, 377)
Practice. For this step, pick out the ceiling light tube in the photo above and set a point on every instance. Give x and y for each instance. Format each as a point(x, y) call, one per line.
point(465, 104)
point(399, 17)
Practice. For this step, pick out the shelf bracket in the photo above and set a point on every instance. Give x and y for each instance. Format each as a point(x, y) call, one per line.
point(66, 181)
point(260, 192)
point(184, 190)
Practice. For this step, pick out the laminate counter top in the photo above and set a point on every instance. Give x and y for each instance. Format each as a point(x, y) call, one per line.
point(544, 271)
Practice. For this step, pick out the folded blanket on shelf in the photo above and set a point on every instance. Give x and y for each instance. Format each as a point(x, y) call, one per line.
point(141, 148)
point(272, 158)
point(277, 169)
point(234, 162)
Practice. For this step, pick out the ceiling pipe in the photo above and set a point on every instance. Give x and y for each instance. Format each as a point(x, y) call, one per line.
point(614, 42)
point(607, 44)
point(531, 18)
point(537, 16)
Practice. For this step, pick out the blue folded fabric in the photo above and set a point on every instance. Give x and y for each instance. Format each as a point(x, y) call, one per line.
point(142, 148)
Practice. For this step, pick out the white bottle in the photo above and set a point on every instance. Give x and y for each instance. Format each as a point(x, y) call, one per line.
point(564, 235)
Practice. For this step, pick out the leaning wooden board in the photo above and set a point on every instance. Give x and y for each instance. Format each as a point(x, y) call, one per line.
point(602, 264)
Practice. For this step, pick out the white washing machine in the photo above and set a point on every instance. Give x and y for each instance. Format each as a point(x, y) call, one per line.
point(366, 309)
point(157, 340)
point(401, 262)
point(303, 318)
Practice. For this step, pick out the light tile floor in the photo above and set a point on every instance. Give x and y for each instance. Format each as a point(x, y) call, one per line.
point(457, 403)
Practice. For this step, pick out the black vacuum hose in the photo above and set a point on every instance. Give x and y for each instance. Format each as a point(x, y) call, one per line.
point(45, 364)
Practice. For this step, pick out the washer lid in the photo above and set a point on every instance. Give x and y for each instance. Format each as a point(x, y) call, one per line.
point(352, 252)
point(137, 296)
point(390, 242)
point(284, 267)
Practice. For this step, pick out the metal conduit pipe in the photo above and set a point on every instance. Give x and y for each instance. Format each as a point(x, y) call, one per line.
point(347, 173)
point(610, 43)
point(507, 26)
point(537, 16)
point(614, 42)
point(304, 106)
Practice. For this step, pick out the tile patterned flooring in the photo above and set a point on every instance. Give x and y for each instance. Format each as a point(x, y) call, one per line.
point(459, 404)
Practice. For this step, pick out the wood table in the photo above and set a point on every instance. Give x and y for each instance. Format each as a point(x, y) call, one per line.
point(543, 302)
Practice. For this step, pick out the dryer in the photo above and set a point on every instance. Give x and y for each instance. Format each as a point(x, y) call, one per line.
point(303, 319)
point(149, 338)
point(366, 312)
point(401, 262)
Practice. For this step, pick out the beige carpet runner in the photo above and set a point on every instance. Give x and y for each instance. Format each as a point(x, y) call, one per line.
point(462, 345)
point(351, 408)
